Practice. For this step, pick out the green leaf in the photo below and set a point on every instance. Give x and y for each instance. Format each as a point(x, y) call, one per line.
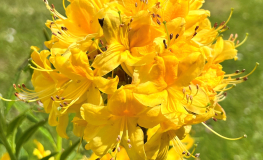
point(49, 156)
point(15, 123)
point(67, 151)
point(27, 134)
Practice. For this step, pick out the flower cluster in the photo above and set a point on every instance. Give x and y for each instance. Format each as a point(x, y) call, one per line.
point(127, 68)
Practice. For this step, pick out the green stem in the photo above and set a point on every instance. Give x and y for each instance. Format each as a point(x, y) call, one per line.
point(59, 147)
point(5, 142)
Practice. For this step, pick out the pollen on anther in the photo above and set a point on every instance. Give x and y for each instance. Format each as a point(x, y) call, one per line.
point(225, 94)
point(23, 85)
point(183, 152)
point(14, 85)
point(243, 70)
point(245, 78)
point(129, 145)
point(57, 96)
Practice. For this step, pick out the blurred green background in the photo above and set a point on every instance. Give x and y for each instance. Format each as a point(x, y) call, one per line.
point(22, 23)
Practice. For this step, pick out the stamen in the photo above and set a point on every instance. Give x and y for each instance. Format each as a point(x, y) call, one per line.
point(231, 139)
point(171, 36)
point(177, 36)
point(168, 36)
point(243, 41)
point(214, 119)
point(165, 45)
point(196, 28)
point(215, 25)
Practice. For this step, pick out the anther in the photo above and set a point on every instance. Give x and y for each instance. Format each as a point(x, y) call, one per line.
point(187, 97)
point(195, 34)
point(54, 34)
point(216, 114)
point(153, 15)
point(158, 4)
point(128, 140)
point(237, 71)
point(101, 22)
point(225, 94)
point(158, 15)
point(136, 4)
point(183, 152)
point(190, 88)
point(61, 105)
point(165, 45)
point(183, 90)
point(52, 5)
point(131, 20)
point(65, 103)
point(112, 158)
point(222, 23)
point(188, 154)
point(18, 86)
point(118, 149)
point(245, 78)
point(59, 33)
point(52, 98)
point(171, 36)
point(23, 85)
point(197, 155)
point(121, 25)
point(237, 42)
point(197, 86)
point(62, 98)
point(16, 94)
point(245, 136)
point(14, 85)
point(176, 36)
point(238, 78)
point(191, 98)
point(129, 145)
point(158, 21)
point(243, 70)
point(57, 96)
point(214, 119)
point(196, 28)
point(215, 25)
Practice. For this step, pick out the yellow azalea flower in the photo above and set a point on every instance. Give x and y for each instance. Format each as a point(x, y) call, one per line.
point(5, 156)
point(129, 42)
point(40, 152)
point(80, 24)
point(115, 125)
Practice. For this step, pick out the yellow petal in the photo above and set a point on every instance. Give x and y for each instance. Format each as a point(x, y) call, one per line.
point(105, 138)
point(94, 96)
point(189, 68)
point(110, 59)
point(108, 86)
point(95, 115)
point(136, 136)
point(151, 117)
point(62, 126)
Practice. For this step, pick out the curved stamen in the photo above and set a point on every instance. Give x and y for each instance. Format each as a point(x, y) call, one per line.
point(231, 139)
